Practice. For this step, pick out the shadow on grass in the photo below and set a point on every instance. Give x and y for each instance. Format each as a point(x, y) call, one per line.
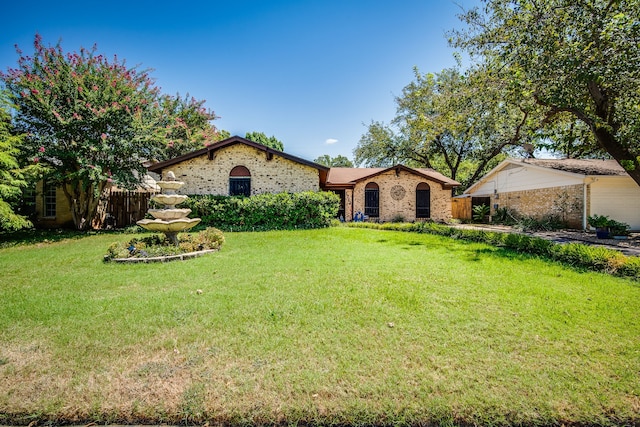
point(34, 236)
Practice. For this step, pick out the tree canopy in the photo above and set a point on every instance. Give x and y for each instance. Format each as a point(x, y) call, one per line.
point(338, 161)
point(187, 126)
point(92, 122)
point(269, 141)
point(458, 123)
point(12, 176)
point(570, 56)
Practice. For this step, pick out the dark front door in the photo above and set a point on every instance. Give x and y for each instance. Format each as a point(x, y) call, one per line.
point(423, 204)
point(240, 187)
point(372, 202)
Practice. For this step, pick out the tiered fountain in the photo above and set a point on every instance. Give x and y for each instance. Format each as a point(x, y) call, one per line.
point(169, 220)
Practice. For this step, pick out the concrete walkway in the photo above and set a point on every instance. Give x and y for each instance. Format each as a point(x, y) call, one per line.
point(630, 246)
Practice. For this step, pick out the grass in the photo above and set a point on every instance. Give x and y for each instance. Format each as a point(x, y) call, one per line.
point(330, 326)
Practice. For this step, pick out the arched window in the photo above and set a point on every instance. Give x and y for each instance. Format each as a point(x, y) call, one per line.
point(372, 200)
point(240, 181)
point(423, 200)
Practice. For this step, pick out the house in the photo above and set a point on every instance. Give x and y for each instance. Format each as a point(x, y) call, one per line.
point(569, 188)
point(237, 166)
point(389, 194)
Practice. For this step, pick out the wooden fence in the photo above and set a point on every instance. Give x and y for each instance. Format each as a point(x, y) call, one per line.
point(124, 208)
point(461, 208)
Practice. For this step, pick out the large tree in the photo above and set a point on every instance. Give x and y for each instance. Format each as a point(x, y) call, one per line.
point(571, 56)
point(92, 121)
point(458, 123)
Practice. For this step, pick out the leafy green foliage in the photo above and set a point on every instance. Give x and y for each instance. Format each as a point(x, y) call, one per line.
point(576, 58)
point(575, 254)
point(480, 212)
point(269, 141)
point(187, 126)
point(92, 122)
point(460, 123)
point(86, 119)
point(159, 245)
point(334, 162)
point(12, 176)
point(265, 211)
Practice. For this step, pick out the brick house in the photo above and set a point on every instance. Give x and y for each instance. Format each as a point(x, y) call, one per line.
point(569, 188)
point(237, 166)
point(395, 193)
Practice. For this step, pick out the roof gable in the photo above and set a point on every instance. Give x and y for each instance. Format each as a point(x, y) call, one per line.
point(211, 149)
point(577, 168)
point(350, 176)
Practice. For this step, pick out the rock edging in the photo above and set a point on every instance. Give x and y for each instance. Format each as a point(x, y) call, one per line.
point(167, 258)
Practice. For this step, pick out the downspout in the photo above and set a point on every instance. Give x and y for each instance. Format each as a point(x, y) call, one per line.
point(352, 209)
point(584, 205)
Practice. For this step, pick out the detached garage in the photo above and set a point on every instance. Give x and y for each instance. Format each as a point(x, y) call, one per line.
point(569, 188)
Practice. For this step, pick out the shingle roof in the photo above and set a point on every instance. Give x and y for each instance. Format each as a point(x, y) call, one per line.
point(581, 166)
point(349, 176)
point(158, 167)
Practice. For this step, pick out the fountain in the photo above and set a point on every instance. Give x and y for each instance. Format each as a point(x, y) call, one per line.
point(169, 220)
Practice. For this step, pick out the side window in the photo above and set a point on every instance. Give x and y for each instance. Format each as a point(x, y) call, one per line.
point(49, 194)
point(240, 181)
point(372, 200)
point(423, 200)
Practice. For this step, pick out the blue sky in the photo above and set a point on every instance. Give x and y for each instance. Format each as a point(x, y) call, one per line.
point(310, 73)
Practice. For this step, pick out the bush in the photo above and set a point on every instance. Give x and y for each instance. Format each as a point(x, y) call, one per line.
point(575, 254)
point(159, 245)
point(265, 211)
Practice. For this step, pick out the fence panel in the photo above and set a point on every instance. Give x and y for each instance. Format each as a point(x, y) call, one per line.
point(461, 208)
point(124, 208)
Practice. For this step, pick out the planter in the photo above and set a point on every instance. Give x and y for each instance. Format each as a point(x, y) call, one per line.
point(602, 233)
point(621, 237)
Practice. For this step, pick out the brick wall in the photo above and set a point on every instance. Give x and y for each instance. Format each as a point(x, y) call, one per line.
point(566, 202)
point(204, 176)
point(398, 197)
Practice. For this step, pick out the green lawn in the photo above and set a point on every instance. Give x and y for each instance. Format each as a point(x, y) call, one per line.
point(331, 326)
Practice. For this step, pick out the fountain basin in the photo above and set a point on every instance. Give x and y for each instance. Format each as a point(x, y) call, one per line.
point(169, 199)
point(169, 214)
point(170, 185)
point(172, 226)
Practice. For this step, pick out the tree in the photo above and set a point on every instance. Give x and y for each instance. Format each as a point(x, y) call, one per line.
point(571, 56)
point(90, 121)
point(334, 162)
point(187, 126)
point(12, 176)
point(461, 123)
point(269, 141)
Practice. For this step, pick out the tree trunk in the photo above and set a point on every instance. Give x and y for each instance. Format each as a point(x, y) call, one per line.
point(83, 202)
point(622, 155)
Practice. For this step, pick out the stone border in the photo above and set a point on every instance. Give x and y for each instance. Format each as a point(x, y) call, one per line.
point(146, 260)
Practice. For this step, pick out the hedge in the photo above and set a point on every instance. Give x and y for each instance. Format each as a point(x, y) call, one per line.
point(575, 254)
point(281, 211)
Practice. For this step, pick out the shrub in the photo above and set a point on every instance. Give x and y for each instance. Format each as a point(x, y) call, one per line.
point(480, 212)
point(158, 245)
point(574, 254)
point(266, 211)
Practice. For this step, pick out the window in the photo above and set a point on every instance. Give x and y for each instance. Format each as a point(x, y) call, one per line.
point(240, 181)
point(372, 200)
point(49, 193)
point(423, 200)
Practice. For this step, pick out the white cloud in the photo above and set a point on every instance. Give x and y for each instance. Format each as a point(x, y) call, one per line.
point(331, 141)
